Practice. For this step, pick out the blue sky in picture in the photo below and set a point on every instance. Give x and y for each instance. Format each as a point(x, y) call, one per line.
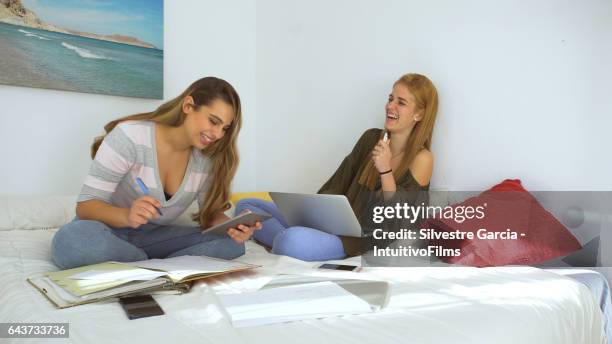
point(143, 19)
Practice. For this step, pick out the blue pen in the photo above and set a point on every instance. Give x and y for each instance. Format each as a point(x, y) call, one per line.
point(146, 191)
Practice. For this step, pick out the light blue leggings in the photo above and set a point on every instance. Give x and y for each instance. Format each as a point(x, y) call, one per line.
point(303, 243)
point(83, 242)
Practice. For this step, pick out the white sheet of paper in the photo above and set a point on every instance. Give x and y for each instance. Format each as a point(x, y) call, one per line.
point(187, 264)
point(131, 275)
point(296, 302)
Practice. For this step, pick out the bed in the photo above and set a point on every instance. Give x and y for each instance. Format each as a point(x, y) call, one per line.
point(426, 305)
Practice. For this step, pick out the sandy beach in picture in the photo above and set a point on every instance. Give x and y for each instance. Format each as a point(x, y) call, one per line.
point(16, 68)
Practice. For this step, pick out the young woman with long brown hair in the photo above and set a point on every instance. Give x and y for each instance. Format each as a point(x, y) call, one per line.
point(393, 170)
point(146, 171)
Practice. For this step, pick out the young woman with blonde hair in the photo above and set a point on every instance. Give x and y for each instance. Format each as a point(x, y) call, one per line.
point(375, 171)
point(146, 171)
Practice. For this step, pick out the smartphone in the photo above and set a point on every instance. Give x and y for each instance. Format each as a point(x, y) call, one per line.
point(140, 306)
point(248, 218)
point(340, 267)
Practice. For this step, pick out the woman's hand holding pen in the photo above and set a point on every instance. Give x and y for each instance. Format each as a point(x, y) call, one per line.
point(143, 209)
point(381, 156)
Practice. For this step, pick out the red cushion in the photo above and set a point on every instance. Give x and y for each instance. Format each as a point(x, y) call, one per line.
point(508, 205)
point(509, 185)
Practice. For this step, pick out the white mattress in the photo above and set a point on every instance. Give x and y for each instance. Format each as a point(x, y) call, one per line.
point(427, 305)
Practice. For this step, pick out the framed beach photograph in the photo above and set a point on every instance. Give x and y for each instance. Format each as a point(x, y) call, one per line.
point(97, 46)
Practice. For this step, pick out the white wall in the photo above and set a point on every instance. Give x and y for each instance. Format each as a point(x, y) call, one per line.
point(524, 87)
point(524, 90)
point(45, 134)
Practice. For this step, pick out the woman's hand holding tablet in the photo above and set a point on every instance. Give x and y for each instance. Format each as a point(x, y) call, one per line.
point(239, 228)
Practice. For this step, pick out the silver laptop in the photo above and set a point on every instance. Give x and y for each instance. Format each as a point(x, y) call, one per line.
point(329, 213)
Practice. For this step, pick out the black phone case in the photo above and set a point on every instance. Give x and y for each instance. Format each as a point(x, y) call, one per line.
point(140, 306)
point(339, 267)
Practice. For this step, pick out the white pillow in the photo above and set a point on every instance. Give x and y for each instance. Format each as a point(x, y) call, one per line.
point(36, 212)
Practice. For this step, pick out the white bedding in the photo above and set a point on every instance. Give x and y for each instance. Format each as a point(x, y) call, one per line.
point(427, 305)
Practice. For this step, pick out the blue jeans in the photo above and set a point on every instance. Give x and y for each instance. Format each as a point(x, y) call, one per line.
point(84, 242)
point(299, 242)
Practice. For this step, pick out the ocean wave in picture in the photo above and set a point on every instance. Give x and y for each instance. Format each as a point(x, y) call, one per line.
point(37, 36)
point(29, 34)
point(84, 53)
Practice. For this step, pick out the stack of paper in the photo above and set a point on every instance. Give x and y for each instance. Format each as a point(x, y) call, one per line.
point(291, 303)
point(91, 279)
point(112, 279)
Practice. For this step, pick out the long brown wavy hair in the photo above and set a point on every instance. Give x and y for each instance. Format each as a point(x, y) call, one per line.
point(426, 97)
point(223, 153)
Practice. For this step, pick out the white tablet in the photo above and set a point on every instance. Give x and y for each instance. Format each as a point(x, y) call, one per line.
point(247, 218)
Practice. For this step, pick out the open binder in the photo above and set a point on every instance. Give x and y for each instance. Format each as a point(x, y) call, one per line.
point(109, 280)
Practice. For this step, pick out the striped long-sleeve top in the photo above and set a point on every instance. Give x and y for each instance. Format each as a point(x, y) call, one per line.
point(129, 151)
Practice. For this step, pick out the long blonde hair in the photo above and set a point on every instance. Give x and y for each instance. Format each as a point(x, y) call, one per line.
point(426, 97)
point(223, 153)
